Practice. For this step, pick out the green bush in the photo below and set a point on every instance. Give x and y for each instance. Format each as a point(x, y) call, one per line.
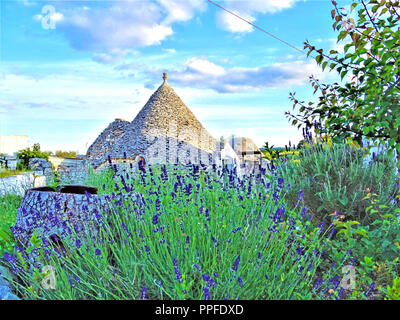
point(375, 246)
point(335, 179)
point(26, 154)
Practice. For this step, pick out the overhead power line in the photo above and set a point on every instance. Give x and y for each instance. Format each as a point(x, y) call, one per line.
point(257, 27)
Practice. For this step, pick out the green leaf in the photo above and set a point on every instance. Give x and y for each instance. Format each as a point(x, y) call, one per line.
point(362, 232)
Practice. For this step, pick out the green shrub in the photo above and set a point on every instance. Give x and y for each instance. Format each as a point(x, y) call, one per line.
point(335, 179)
point(375, 246)
point(26, 154)
point(393, 292)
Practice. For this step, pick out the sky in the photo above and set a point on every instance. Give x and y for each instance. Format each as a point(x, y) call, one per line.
point(69, 68)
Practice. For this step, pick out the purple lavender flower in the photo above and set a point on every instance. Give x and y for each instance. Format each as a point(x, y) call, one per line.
point(205, 277)
point(98, 252)
point(240, 281)
point(207, 214)
point(318, 283)
point(206, 293)
point(9, 258)
point(143, 293)
point(236, 264)
point(126, 229)
point(176, 269)
point(371, 287)
point(155, 219)
point(236, 230)
point(341, 293)
point(300, 197)
point(158, 204)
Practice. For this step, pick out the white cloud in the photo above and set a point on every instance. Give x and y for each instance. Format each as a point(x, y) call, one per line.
point(231, 23)
point(248, 10)
point(201, 73)
point(171, 50)
point(113, 56)
point(27, 3)
point(178, 10)
point(203, 66)
point(123, 24)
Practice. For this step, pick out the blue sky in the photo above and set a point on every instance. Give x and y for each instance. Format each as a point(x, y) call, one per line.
point(101, 60)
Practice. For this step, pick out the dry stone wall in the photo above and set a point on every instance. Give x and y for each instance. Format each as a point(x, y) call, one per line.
point(20, 183)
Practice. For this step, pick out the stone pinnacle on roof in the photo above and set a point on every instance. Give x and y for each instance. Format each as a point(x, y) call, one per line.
point(165, 76)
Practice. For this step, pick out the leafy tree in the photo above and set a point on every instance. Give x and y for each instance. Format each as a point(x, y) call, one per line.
point(366, 102)
point(26, 154)
point(66, 154)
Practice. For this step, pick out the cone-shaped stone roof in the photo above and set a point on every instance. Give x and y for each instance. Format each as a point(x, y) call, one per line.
point(164, 116)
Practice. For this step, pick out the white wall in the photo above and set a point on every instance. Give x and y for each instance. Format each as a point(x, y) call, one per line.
point(11, 144)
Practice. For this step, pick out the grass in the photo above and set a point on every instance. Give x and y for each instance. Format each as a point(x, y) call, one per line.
point(8, 209)
point(8, 173)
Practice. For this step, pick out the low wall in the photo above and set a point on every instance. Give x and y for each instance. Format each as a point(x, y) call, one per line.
point(20, 183)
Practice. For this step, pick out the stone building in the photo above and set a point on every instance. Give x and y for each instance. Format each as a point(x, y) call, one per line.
point(164, 131)
point(249, 155)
